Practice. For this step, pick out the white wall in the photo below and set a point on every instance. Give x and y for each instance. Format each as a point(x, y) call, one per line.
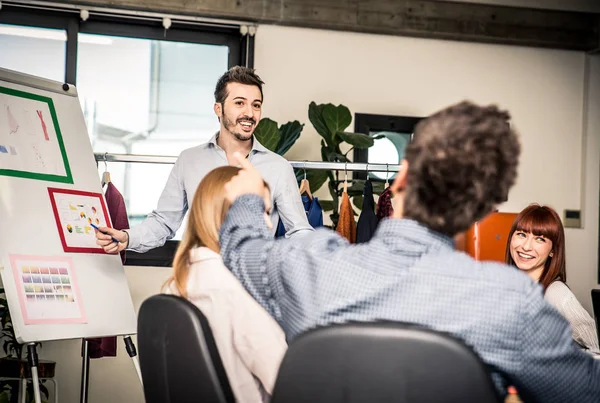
point(543, 89)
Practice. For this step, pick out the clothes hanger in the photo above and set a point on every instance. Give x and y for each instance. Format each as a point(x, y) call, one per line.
point(305, 185)
point(346, 177)
point(106, 174)
point(387, 175)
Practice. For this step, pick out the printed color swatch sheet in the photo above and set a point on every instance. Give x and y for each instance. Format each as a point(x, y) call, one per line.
point(48, 290)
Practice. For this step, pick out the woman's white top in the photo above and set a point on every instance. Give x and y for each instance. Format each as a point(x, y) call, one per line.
point(582, 324)
point(251, 344)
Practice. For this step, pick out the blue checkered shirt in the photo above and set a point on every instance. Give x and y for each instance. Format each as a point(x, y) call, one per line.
point(408, 273)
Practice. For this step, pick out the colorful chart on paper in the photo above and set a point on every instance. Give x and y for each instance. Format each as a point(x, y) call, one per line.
point(31, 144)
point(74, 211)
point(48, 290)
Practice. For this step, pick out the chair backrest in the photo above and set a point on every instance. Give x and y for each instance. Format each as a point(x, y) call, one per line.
point(381, 362)
point(179, 359)
point(487, 239)
point(596, 307)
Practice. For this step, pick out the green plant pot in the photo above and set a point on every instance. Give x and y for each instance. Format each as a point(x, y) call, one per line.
point(19, 368)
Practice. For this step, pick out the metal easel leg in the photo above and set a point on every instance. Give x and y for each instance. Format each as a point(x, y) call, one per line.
point(85, 372)
point(130, 347)
point(33, 364)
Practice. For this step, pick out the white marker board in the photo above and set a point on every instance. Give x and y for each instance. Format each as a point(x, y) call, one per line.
point(55, 290)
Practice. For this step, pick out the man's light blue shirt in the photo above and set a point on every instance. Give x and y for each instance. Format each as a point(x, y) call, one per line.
point(408, 273)
point(189, 169)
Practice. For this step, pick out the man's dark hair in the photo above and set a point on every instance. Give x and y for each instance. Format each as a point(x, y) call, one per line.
point(462, 162)
point(237, 74)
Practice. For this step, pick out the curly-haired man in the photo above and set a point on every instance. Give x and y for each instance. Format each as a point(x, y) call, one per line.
point(461, 164)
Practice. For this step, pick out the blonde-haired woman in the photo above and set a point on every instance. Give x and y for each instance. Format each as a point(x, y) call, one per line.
point(251, 344)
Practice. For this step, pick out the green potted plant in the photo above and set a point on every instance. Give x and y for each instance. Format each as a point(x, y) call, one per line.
point(278, 139)
point(330, 122)
point(14, 365)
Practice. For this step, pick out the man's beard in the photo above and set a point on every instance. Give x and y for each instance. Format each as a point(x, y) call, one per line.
point(230, 126)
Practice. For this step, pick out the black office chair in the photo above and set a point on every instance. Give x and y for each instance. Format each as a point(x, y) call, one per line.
point(596, 308)
point(381, 362)
point(178, 356)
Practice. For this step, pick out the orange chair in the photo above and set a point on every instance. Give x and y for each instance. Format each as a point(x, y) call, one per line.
point(487, 239)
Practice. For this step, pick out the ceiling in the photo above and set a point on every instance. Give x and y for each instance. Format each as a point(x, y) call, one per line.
point(587, 6)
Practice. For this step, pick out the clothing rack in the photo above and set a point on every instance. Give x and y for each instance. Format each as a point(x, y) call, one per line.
point(329, 166)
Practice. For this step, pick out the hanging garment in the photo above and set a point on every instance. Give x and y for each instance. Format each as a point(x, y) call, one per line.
point(313, 211)
point(367, 222)
point(384, 205)
point(346, 226)
point(107, 346)
point(116, 208)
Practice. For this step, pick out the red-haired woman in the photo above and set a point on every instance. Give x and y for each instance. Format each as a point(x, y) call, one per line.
point(536, 245)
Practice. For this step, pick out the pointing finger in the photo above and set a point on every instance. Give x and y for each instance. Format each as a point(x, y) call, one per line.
point(244, 163)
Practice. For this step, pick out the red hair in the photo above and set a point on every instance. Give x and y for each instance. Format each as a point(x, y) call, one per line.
point(544, 221)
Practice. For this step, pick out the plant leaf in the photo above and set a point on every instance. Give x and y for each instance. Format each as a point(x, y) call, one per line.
point(315, 115)
point(327, 205)
point(332, 156)
point(337, 118)
point(289, 133)
point(267, 133)
point(358, 202)
point(378, 187)
point(357, 185)
point(316, 178)
point(358, 140)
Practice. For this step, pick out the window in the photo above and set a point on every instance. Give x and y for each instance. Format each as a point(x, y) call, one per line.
point(393, 135)
point(143, 90)
point(36, 51)
point(151, 97)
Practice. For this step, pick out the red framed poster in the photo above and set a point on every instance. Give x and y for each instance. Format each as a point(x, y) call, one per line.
point(74, 211)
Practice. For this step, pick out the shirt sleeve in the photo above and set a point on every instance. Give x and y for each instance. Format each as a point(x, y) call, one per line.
point(552, 368)
point(259, 341)
point(162, 223)
point(289, 203)
point(582, 324)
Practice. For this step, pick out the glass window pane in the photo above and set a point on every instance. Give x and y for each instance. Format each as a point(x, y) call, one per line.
point(37, 51)
point(147, 97)
point(388, 149)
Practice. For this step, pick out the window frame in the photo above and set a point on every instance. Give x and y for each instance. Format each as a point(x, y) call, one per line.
point(241, 52)
point(366, 123)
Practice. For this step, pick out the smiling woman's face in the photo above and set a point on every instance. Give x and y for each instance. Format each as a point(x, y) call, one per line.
point(530, 252)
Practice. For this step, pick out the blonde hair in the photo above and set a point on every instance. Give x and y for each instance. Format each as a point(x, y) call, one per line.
point(207, 213)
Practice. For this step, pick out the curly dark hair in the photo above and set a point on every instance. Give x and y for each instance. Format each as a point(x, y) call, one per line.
point(237, 74)
point(462, 162)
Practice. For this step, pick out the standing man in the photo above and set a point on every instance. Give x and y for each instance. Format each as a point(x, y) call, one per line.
point(461, 164)
point(238, 106)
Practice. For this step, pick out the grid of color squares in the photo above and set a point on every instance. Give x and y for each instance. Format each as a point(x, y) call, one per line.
point(47, 284)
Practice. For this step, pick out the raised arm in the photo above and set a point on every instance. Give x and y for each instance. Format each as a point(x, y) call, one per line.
point(552, 368)
point(162, 223)
point(279, 274)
